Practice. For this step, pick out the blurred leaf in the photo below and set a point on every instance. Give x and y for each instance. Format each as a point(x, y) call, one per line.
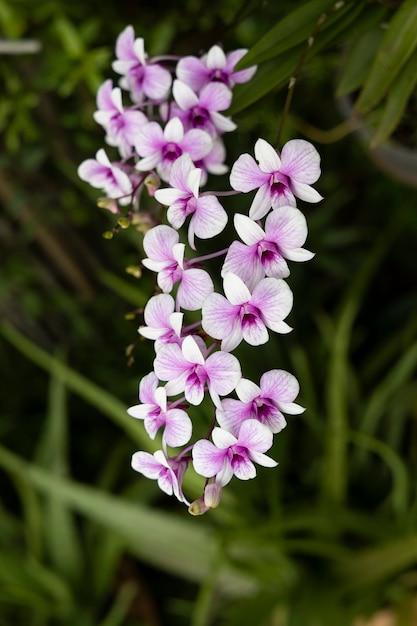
point(177, 545)
point(275, 72)
point(60, 531)
point(373, 565)
point(355, 67)
point(397, 99)
point(292, 30)
point(398, 44)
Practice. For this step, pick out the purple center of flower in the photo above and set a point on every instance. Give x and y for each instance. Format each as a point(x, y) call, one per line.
point(171, 152)
point(263, 409)
point(250, 315)
point(199, 117)
point(278, 184)
point(267, 252)
point(219, 76)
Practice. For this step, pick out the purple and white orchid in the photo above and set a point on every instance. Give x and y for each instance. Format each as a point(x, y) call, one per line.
point(169, 139)
point(279, 179)
point(229, 455)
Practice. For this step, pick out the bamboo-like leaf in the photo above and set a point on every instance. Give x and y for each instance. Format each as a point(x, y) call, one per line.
point(398, 44)
point(358, 61)
point(276, 72)
point(292, 30)
point(397, 100)
point(373, 565)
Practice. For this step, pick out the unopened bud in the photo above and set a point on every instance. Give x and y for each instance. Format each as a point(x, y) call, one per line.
point(109, 204)
point(108, 234)
point(124, 222)
point(134, 270)
point(198, 507)
point(212, 495)
point(152, 183)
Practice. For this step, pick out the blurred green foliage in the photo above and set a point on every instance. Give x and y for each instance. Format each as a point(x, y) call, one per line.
point(331, 534)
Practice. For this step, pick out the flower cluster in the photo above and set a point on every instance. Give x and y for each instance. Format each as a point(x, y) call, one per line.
point(173, 133)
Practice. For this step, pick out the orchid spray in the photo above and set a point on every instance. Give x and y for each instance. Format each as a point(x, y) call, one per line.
point(169, 140)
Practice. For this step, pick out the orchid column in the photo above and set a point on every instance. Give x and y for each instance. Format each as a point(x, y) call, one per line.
point(169, 141)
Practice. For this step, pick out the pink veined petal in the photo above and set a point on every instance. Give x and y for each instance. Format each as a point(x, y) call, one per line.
point(267, 157)
point(178, 428)
point(225, 475)
point(150, 139)
point(291, 408)
point(215, 97)
point(147, 388)
point(193, 180)
point(170, 363)
point(246, 175)
point(195, 287)
point(274, 298)
point(305, 192)
point(224, 372)
point(146, 464)
point(279, 385)
point(243, 468)
point(243, 261)
point(301, 161)
point(139, 50)
point(158, 309)
point(233, 339)
point(197, 143)
point(261, 203)
point(194, 388)
point(104, 95)
point(157, 82)
point(210, 217)
point(235, 289)
point(184, 96)
point(179, 173)
point(177, 385)
point(249, 231)
point(207, 459)
point(192, 71)
point(255, 436)
point(218, 316)
point(233, 58)
point(159, 242)
point(255, 332)
point(177, 213)
point(244, 76)
point(149, 163)
point(124, 44)
point(276, 267)
point(231, 415)
point(287, 226)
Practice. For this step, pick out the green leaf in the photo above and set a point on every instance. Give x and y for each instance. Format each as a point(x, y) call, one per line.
point(398, 44)
point(184, 548)
point(276, 72)
point(287, 33)
point(397, 100)
point(358, 60)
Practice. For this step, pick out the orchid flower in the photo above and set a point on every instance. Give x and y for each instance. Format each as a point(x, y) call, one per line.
point(279, 179)
point(162, 323)
point(263, 253)
point(208, 218)
point(245, 315)
point(189, 371)
point(142, 78)
point(275, 395)
point(109, 177)
point(229, 455)
point(215, 66)
point(166, 256)
point(160, 148)
point(169, 472)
